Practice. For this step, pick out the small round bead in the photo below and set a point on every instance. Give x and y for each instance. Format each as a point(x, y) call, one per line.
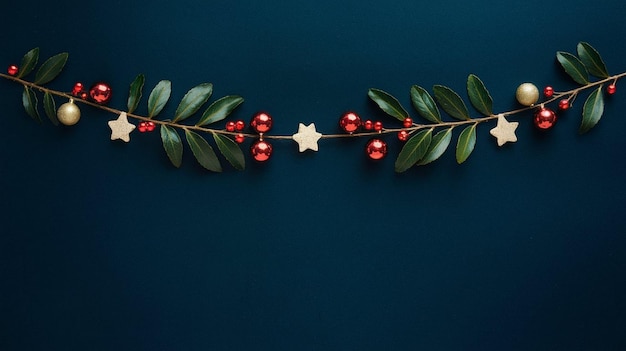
point(78, 88)
point(150, 125)
point(564, 104)
point(407, 123)
point(261, 122)
point(240, 125)
point(12, 70)
point(611, 89)
point(350, 122)
point(239, 138)
point(368, 125)
point(378, 126)
point(403, 135)
point(84, 95)
point(230, 126)
point(548, 91)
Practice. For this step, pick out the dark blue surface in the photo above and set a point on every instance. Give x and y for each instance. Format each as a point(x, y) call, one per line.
point(105, 246)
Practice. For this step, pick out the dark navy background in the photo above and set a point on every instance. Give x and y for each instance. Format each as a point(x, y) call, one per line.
point(106, 246)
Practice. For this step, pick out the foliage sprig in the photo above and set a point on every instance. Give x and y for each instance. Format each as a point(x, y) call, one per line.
point(427, 143)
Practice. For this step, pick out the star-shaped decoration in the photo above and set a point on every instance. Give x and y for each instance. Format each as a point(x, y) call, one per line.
point(504, 131)
point(307, 137)
point(120, 128)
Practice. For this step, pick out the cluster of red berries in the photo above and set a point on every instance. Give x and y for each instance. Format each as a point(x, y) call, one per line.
point(546, 118)
point(99, 93)
point(146, 126)
point(261, 123)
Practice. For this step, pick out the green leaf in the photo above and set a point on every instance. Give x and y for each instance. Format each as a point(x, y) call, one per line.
point(389, 104)
point(29, 61)
point(466, 143)
point(437, 147)
point(135, 93)
point(29, 100)
point(192, 101)
point(592, 60)
point(479, 96)
point(451, 102)
point(203, 151)
point(51, 68)
point(50, 107)
point(572, 66)
point(172, 145)
point(424, 104)
point(413, 150)
point(220, 109)
point(592, 110)
point(159, 97)
point(231, 151)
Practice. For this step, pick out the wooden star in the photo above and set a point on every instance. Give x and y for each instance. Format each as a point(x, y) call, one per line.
point(307, 137)
point(120, 128)
point(504, 131)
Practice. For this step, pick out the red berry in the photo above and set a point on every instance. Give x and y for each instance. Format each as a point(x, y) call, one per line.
point(544, 118)
point(239, 138)
point(150, 126)
point(143, 127)
point(83, 95)
point(12, 70)
point(350, 122)
point(548, 91)
point(261, 122)
point(368, 125)
point(240, 125)
point(78, 88)
point(378, 126)
point(564, 104)
point(403, 135)
point(407, 123)
point(611, 89)
point(230, 126)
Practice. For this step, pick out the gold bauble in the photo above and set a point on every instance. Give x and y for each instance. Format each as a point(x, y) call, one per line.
point(527, 94)
point(68, 113)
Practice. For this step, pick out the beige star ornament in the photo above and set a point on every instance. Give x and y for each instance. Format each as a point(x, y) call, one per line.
point(307, 137)
point(120, 128)
point(504, 131)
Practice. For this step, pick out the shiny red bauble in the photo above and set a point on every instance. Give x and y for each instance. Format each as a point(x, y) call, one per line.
point(548, 91)
point(239, 138)
point(376, 149)
point(403, 135)
point(261, 122)
point(407, 123)
point(611, 89)
point(544, 118)
point(12, 70)
point(350, 122)
point(564, 104)
point(100, 93)
point(261, 150)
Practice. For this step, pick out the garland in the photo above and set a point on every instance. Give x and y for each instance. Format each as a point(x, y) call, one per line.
point(421, 144)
